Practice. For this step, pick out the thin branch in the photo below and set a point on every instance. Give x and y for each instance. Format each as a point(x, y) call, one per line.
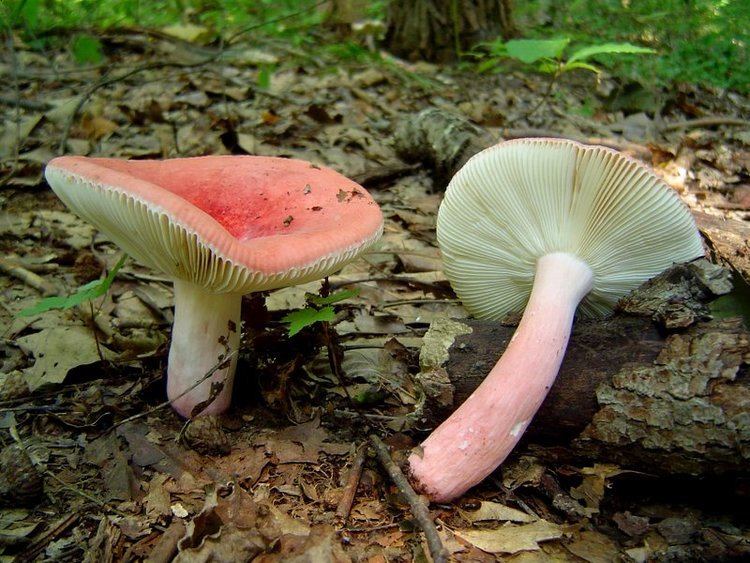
point(288, 16)
point(168, 402)
point(398, 302)
point(542, 101)
point(350, 490)
point(27, 276)
point(25, 104)
point(712, 121)
point(418, 506)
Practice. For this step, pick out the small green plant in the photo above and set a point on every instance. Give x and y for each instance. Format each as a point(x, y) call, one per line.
point(547, 54)
point(265, 72)
point(87, 50)
point(87, 292)
point(318, 310)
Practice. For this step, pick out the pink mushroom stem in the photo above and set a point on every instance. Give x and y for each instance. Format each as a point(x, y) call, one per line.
point(206, 328)
point(481, 433)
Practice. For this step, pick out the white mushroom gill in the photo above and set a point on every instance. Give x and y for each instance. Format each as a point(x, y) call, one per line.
point(515, 202)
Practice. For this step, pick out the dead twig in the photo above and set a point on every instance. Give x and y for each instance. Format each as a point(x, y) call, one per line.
point(27, 276)
point(38, 545)
point(418, 506)
point(168, 402)
point(350, 489)
point(166, 548)
point(427, 301)
point(284, 17)
point(100, 503)
point(641, 151)
point(367, 415)
point(393, 279)
point(711, 121)
point(25, 104)
point(372, 529)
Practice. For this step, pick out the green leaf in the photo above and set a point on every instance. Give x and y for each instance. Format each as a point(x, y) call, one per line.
point(549, 66)
point(30, 11)
point(334, 297)
point(264, 76)
point(308, 316)
point(87, 50)
point(578, 64)
point(496, 48)
point(488, 65)
point(608, 49)
point(531, 50)
point(87, 292)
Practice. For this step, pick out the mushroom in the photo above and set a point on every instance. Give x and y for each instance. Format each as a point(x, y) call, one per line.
point(220, 227)
point(544, 224)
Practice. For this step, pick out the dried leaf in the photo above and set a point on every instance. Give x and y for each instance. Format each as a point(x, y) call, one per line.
point(320, 545)
point(58, 350)
point(511, 538)
point(230, 543)
point(157, 501)
point(187, 32)
point(303, 443)
point(489, 510)
point(594, 547)
point(592, 488)
point(244, 463)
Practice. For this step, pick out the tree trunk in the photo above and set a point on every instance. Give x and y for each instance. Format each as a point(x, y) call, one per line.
point(438, 30)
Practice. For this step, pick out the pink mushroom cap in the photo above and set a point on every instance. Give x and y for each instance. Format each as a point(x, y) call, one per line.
point(271, 221)
point(220, 227)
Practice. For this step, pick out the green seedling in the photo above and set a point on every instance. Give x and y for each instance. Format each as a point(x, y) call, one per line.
point(319, 310)
point(548, 57)
point(547, 54)
point(87, 292)
point(87, 50)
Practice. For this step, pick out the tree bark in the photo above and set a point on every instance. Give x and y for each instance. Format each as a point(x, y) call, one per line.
point(629, 391)
point(438, 30)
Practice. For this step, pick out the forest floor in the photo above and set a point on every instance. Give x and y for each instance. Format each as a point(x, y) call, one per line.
point(267, 478)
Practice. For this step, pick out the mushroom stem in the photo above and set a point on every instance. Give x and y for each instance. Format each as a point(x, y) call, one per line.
point(481, 433)
point(206, 328)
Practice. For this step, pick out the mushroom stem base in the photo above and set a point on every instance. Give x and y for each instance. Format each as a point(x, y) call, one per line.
point(206, 329)
point(480, 434)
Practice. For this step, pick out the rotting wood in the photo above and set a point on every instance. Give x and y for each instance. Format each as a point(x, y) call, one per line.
point(629, 391)
point(728, 241)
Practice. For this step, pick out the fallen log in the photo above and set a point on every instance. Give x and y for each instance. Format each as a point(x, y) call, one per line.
point(659, 387)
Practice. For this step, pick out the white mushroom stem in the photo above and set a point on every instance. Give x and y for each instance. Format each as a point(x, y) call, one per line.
point(481, 433)
point(206, 329)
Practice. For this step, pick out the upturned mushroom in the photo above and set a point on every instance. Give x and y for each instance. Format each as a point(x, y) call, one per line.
point(220, 227)
point(553, 226)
